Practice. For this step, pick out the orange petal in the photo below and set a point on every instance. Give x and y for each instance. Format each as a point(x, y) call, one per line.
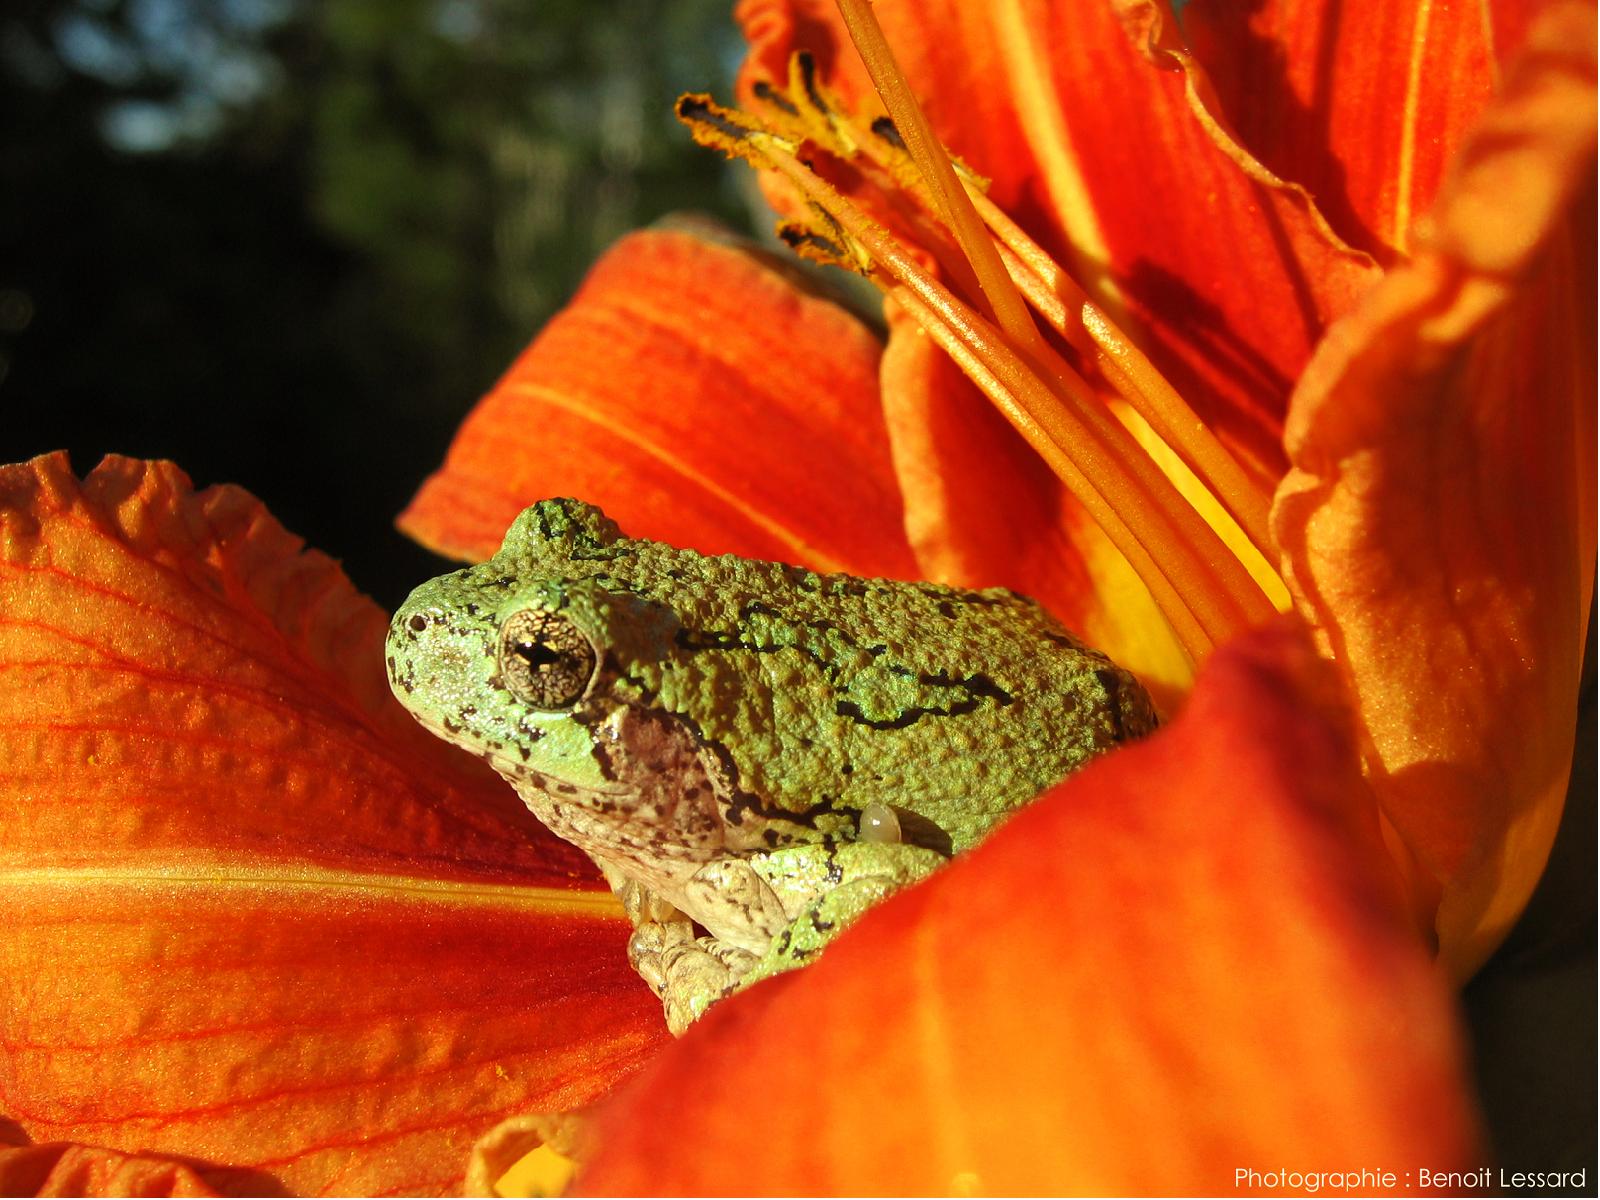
point(701, 398)
point(1364, 108)
point(1116, 163)
point(253, 913)
point(983, 509)
point(1205, 971)
point(66, 1169)
point(1439, 524)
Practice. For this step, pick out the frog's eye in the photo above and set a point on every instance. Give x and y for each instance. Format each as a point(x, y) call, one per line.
point(545, 660)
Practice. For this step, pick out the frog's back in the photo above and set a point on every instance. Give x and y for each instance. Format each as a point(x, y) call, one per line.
point(825, 693)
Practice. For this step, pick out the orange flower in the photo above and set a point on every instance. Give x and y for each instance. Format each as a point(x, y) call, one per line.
point(328, 954)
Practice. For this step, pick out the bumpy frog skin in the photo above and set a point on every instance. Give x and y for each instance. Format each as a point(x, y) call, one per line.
point(746, 746)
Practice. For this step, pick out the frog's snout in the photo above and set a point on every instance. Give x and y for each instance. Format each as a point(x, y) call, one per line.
point(427, 654)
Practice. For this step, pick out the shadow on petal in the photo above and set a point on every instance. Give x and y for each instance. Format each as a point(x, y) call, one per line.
point(1364, 105)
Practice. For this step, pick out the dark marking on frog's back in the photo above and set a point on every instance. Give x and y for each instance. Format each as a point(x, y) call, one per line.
point(1123, 704)
point(1112, 683)
point(978, 688)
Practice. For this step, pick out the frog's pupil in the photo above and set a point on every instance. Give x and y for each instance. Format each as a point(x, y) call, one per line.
point(537, 654)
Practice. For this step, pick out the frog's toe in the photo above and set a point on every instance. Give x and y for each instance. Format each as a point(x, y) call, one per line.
point(697, 974)
point(641, 905)
point(649, 946)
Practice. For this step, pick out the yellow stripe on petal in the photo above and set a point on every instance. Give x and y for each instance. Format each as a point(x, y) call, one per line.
point(242, 881)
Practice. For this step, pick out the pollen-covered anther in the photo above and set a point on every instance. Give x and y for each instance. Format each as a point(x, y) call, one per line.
point(822, 112)
point(765, 92)
point(819, 248)
point(887, 149)
point(737, 134)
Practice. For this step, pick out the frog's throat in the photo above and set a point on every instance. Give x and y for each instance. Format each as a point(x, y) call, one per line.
point(1188, 517)
point(508, 766)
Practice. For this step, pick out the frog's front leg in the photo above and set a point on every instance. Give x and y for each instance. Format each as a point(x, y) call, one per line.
point(793, 901)
point(686, 971)
point(838, 884)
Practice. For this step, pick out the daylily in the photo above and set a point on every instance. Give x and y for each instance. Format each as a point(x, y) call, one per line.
point(263, 934)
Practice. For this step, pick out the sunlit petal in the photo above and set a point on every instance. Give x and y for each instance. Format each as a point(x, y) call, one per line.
point(1439, 524)
point(696, 393)
point(1186, 960)
point(1363, 106)
point(1100, 137)
point(253, 914)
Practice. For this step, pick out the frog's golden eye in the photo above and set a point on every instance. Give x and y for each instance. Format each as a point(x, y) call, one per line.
point(545, 660)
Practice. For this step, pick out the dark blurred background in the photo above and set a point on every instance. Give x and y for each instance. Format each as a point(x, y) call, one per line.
point(287, 243)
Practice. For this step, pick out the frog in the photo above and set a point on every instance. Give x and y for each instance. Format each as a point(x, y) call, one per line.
point(753, 754)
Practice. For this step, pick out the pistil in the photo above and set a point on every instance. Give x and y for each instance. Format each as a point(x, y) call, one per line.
point(949, 196)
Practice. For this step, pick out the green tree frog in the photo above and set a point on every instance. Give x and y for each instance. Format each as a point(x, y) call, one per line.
point(752, 753)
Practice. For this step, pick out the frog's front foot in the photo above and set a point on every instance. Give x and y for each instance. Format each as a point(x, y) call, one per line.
point(697, 976)
point(689, 973)
point(694, 973)
point(828, 887)
point(818, 925)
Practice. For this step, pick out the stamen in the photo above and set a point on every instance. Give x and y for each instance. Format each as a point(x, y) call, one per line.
point(1191, 636)
point(1183, 547)
point(949, 196)
point(1134, 376)
point(818, 117)
point(1197, 463)
point(1054, 294)
point(1194, 577)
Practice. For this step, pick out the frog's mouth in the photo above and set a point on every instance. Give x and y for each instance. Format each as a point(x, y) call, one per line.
point(511, 764)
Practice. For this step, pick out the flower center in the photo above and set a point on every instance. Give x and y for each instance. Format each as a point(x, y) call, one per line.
point(1209, 573)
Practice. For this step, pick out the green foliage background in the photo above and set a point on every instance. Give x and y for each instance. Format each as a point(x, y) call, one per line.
point(287, 243)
